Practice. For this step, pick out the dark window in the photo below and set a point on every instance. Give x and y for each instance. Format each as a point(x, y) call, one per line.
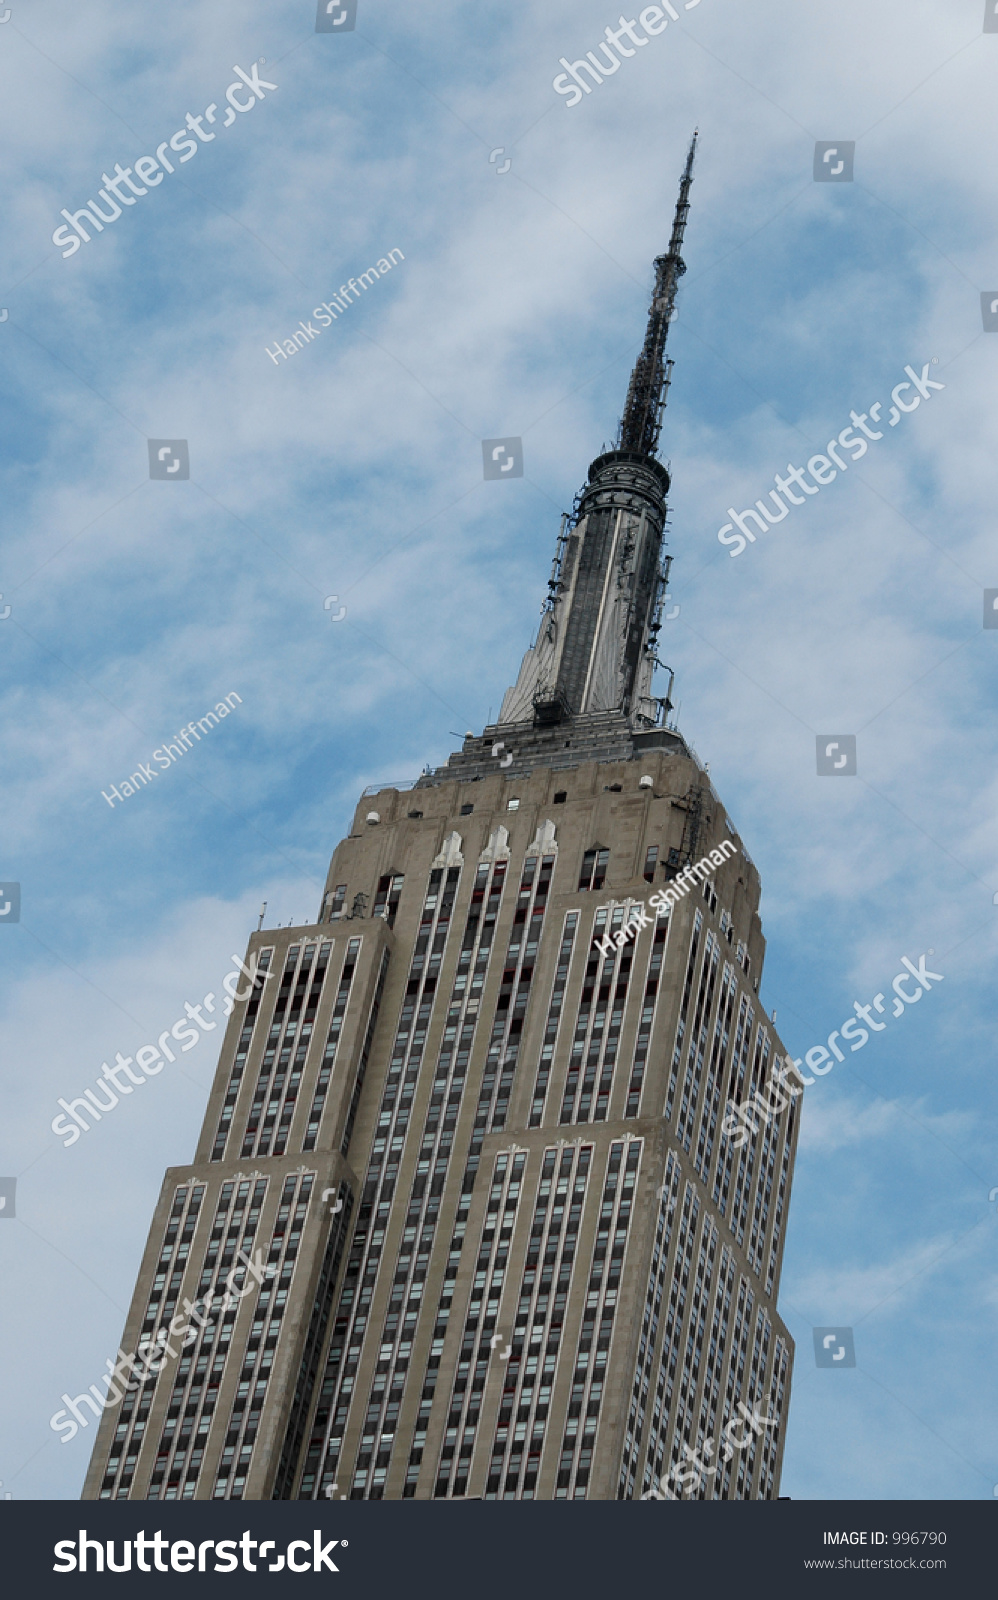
point(466, 810)
point(561, 797)
point(594, 864)
point(386, 900)
point(415, 815)
point(650, 859)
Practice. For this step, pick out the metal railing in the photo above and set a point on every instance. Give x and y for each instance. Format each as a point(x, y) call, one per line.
point(375, 788)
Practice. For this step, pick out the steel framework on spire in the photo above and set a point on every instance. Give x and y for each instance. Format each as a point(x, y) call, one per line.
point(641, 423)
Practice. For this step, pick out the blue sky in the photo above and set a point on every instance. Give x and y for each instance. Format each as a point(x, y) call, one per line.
point(354, 469)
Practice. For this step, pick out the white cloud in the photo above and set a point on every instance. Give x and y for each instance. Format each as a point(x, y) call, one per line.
point(842, 1123)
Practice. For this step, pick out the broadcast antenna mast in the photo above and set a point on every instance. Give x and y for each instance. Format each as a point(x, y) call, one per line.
point(646, 395)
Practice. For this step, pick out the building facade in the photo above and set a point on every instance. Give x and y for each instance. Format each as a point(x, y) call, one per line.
point(463, 1220)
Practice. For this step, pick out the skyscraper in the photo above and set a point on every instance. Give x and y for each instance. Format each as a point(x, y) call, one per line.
point(463, 1220)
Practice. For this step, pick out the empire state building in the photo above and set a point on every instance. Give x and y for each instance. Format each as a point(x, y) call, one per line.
point(464, 1219)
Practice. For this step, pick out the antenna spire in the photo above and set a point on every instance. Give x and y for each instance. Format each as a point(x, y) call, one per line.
point(642, 420)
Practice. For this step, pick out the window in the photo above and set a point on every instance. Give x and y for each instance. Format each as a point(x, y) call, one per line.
point(414, 816)
point(594, 863)
point(650, 859)
point(466, 810)
point(561, 797)
point(512, 805)
point(386, 901)
point(336, 900)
